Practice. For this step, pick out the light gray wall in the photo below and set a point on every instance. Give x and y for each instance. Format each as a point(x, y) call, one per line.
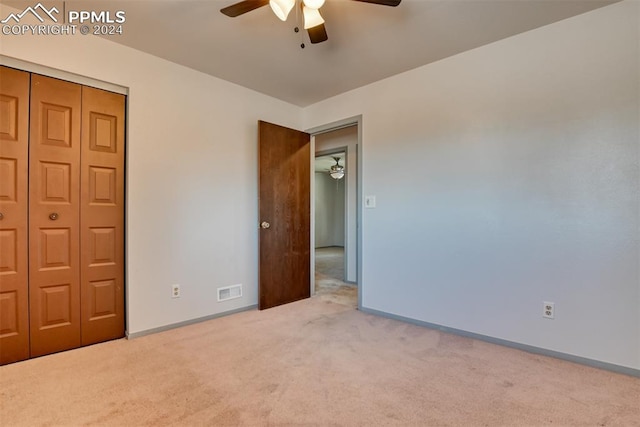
point(507, 176)
point(329, 209)
point(347, 137)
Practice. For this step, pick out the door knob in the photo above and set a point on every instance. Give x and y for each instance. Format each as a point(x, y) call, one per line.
point(53, 216)
point(265, 225)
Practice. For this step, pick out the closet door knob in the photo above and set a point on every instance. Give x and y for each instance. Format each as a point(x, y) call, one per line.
point(53, 216)
point(265, 225)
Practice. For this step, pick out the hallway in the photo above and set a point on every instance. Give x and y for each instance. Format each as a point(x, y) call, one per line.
point(329, 277)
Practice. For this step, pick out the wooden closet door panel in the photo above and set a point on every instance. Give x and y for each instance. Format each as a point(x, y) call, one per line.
point(102, 215)
point(54, 223)
point(14, 249)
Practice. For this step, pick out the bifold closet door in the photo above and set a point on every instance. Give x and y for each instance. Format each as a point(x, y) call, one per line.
point(102, 215)
point(61, 215)
point(14, 252)
point(54, 215)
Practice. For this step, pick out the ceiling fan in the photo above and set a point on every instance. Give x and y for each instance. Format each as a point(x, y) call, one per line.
point(336, 171)
point(313, 21)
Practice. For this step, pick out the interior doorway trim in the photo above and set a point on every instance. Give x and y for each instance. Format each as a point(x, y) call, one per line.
point(329, 127)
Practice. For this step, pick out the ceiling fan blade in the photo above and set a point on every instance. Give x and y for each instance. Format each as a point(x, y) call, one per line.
point(392, 3)
point(318, 34)
point(243, 7)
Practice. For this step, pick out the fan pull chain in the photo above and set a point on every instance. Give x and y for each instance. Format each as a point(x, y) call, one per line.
point(298, 24)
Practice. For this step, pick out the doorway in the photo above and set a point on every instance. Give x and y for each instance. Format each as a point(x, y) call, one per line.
point(335, 198)
point(286, 243)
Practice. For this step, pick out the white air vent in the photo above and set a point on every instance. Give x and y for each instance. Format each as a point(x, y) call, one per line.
point(229, 292)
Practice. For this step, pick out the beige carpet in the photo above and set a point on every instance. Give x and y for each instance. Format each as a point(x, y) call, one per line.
point(329, 275)
point(330, 262)
point(312, 363)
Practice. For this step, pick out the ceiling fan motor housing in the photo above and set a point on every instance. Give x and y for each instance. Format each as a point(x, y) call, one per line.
point(314, 23)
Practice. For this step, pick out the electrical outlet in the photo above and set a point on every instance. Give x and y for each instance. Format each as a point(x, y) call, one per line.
point(548, 310)
point(175, 291)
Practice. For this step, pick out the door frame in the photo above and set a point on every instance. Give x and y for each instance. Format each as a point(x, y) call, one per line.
point(329, 127)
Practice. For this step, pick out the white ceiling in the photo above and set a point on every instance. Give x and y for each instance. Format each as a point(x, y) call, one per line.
point(366, 42)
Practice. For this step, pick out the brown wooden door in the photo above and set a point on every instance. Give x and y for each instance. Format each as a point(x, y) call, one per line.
point(54, 211)
point(14, 252)
point(284, 199)
point(102, 215)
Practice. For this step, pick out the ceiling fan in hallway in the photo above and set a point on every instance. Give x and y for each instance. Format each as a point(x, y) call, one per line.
point(313, 21)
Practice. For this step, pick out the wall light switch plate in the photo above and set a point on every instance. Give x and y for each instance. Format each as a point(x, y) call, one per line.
point(370, 202)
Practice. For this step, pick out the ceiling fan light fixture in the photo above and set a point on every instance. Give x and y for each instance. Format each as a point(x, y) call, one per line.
point(313, 4)
point(337, 174)
point(282, 8)
point(336, 171)
point(312, 17)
